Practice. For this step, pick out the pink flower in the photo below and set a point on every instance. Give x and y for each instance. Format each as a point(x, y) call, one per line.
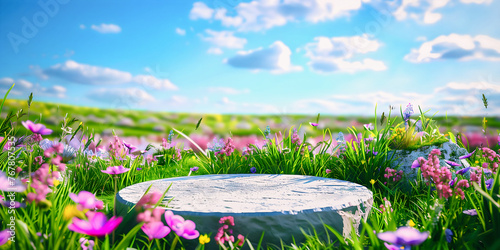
point(4, 236)
point(328, 171)
point(86, 244)
point(313, 124)
point(181, 227)
point(149, 200)
point(97, 224)
point(86, 200)
point(155, 230)
point(115, 170)
point(241, 239)
point(36, 128)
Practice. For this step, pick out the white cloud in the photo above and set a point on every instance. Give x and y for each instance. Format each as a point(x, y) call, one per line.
point(265, 14)
point(121, 96)
point(457, 47)
point(180, 31)
point(94, 75)
point(335, 54)
point(227, 90)
point(82, 26)
point(452, 99)
point(215, 51)
point(24, 88)
point(87, 74)
point(106, 28)
point(224, 39)
point(276, 58)
point(201, 11)
point(477, 1)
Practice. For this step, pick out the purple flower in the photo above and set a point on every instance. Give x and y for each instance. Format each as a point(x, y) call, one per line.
point(375, 153)
point(408, 112)
point(449, 235)
point(471, 212)
point(86, 244)
point(416, 163)
point(452, 183)
point(392, 247)
point(36, 128)
point(129, 146)
point(138, 169)
point(489, 183)
point(467, 155)
point(194, 169)
point(115, 170)
point(313, 124)
point(155, 230)
point(453, 164)
point(253, 170)
point(86, 200)
point(4, 236)
point(368, 126)
point(463, 171)
point(97, 224)
point(181, 227)
point(404, 236)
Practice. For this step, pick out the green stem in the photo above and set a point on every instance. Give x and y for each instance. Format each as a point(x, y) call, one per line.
point(172, 247)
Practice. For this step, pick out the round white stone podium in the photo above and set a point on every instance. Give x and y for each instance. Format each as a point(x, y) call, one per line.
point(278, 204)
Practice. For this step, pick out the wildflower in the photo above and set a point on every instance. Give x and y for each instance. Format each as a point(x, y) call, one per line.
point(313, 124)
point(150, 215)
point(181, 227)
point(407, 113)
point(170, 136)
point(463, 171)
point(4, 236)
point(449, 235)
point(372, 181)
point(155, 230)
point(489, 183)
point(97, 224)
point(194, 169)
point(129, 146)
point(417, 162)
point(411, 223)
point(204, 239)
point(36, 128)
point(471, 212)
point(241, 239)
point(267, 132)
point(467, 155)
point(328, 171)
point(453, 164)
point(404, 236)
point(71, 211)
point(86, 244)
point(149, 200)
point(86, 200)
point(253, 170)
point(368, 126)
point(216, 146)
point(138, 169)
point(295, 137)
point(228, 148)
point(115, 170)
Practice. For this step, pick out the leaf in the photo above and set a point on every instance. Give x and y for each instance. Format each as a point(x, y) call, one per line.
point(30, 99)
point(485, 101)
point(198, 124)
point(382, 119)
point(5, 98)
point(317, 119)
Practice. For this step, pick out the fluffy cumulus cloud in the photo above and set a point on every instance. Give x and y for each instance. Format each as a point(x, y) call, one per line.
point(452, 99)
point(336, 54)
point(223, 39)
point(457, 47)
point(121, 97)
point(265, 14)
point(24, 88)
point(75, 72)
point(106, 28)
point(276, 59)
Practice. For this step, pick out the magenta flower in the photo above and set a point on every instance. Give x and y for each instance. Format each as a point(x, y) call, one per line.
point(4, 236)
point(97, 224)
point(155, 230)
point(404, 236)
point(463, 171)
point(467, 155)
point(194, 169)
point(86, 244)
point(37, 128)
point(328, 171)
point(115, 170)
point(471, 212)
point(313, 124)
point(86, 200)
point(181, 227)
point(129, 146)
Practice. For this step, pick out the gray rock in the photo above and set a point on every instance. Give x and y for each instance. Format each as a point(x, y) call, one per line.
point(449, 151)
point(278, 204)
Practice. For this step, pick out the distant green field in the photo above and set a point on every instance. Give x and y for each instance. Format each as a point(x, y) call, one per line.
point(143, 123)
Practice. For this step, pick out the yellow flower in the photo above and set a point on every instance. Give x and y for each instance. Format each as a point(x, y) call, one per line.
point(411, 223)
point(56, 182)
point(204, 239)
point(363, 162)
point(477, 162)
point(71, 211)
point(372, 181)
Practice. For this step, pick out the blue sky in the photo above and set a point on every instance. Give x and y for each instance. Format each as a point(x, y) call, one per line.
point(276, 56)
